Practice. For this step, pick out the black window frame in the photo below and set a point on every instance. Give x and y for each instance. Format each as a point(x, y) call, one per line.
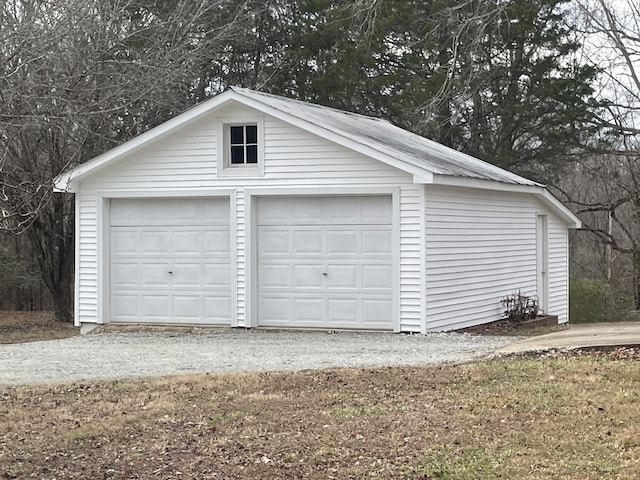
point(242, 150)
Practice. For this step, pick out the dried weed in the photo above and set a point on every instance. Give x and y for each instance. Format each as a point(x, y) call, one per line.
point(21, 327)
point(555, 417)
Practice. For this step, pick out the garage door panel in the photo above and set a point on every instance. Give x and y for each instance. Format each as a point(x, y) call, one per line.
point(343, 276)
point(319, 262)
point(155, 275)
point(308, 213)
point(308, 242)
point(125, 306)
point(343, 311)
point(217, 275)
point(217, 309)
point(187, 307)
point(376, 276)
point(154, 242)
point(276, 212)
point(274, 276)
point(377, 211)
point(168, 211)
point(189, 242)
point(276, 311)
point(343, 242)
point(126, 274)
point(170, 261)
point(187, 274)
point(376, 242)
point(274, 242)
point(155, 306)
point(376, 312)
point(124, 242)
point(216, 242)
point(308, 311)
point(308, 276)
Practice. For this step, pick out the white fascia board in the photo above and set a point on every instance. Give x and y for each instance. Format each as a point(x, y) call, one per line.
point(483, 184)
point(572, 220)
point(348, 141)
point(67, 181)
point(423, 178)
point(537, 189)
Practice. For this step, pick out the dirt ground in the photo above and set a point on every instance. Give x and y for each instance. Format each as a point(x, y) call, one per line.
point(509, 327)
point(554, 415)
point(19, 327)
point(557, 416)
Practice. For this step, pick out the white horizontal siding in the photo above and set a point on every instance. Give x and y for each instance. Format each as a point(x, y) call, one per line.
point(480, 248)
point(558, 269)
point(87, 276)
point(187, 159)
point(241, 259)
point(411, 248)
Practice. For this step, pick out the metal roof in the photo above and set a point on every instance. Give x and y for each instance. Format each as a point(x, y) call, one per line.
point(372, 136)
point(387, 139)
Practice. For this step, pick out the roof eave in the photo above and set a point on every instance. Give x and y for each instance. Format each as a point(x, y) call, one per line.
point(64, 182)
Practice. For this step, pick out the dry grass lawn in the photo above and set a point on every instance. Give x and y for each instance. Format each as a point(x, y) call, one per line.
point(535, 418)
point(19, 327)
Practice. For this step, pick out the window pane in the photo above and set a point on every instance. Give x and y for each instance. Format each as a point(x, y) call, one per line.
point(237, 155)
point(252, 154)
point(252, 134)
point(237, 136)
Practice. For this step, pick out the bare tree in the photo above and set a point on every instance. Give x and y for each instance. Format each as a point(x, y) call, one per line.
point(76, 78)
point(605, 187)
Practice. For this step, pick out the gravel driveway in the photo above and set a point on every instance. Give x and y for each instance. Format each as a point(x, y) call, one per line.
point(145, 354)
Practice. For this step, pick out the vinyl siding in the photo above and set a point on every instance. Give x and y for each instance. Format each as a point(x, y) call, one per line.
point(185, 163)
point(187, 159)
point(480, 247)
point(87, 277)
point(241, 250)
point(558, 269)
point(411, 258)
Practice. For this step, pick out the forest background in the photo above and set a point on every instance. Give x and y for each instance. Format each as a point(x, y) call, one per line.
point(549, 89)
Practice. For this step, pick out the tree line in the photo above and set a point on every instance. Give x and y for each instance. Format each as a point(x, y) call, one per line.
point(545, 88)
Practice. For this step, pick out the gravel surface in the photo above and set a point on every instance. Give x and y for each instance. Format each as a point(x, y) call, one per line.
point(108, 355)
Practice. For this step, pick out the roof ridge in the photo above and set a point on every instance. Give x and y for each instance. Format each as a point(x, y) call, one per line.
point(308, 104)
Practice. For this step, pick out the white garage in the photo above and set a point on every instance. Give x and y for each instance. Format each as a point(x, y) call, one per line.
point(253, 210)
point(169, 260)
point(325, 262)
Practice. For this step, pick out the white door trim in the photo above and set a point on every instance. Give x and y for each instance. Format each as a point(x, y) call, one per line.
point(542, 261)
point(103, 234)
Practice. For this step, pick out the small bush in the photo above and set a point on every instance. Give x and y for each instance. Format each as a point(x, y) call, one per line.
point(519, 307)
point(593, 301)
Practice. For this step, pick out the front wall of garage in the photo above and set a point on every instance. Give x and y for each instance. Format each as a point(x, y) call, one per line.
point(184, 165)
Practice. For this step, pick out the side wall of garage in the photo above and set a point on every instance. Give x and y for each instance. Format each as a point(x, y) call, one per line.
point(184, 164)
point(483, 246)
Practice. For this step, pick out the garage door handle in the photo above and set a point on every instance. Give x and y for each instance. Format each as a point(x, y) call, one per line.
point(325, 273)
point(169, 272)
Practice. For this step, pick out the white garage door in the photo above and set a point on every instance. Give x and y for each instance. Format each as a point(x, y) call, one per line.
point(170, 261)
point(325, 262)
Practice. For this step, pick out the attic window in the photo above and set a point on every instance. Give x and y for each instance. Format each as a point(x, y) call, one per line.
point(243, 145)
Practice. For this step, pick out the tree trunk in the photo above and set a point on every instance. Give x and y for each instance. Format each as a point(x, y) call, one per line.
point(52, 237)
point(63, 302)
point(636, 279)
